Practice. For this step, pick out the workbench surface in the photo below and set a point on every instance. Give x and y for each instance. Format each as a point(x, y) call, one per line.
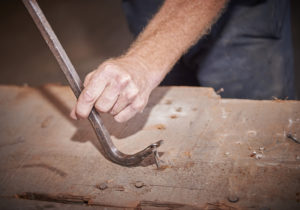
point(208, 153)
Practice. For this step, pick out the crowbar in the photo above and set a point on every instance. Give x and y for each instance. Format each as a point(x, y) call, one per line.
point(75, 83)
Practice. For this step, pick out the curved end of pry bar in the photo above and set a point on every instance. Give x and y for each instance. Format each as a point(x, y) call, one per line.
point(113, 153)
point(137, 158)
point(132, 160)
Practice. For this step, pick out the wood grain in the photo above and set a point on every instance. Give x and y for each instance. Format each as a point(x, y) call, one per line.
point(207, 153)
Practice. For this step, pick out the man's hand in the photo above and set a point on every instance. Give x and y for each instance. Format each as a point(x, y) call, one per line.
point(120, 87)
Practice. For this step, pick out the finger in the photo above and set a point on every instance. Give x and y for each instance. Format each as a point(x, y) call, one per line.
point(73, 114)
point(122, 103)
point(89, 96)
point(88, 78)
point(125, 98)
point(125, 114)
point(108, 98)
point(131, 110)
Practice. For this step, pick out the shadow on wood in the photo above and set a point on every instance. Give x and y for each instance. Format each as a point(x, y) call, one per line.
point(85, 131)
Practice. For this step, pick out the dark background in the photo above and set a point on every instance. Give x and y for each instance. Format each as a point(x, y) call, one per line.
point(89, 30)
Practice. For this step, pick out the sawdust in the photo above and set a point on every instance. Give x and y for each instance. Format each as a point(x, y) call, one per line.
point(163, 167)
point(178, 165)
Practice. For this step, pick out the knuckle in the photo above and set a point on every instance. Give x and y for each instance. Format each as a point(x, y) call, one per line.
point(138, 105)
point(87, 96)
point(108, 72)
point(101, 107)
point(132, 93)
point(85, 83)
point(125, 79)
point(109, 67)
point(89, 75)
point(96, 77)
point(87, 78)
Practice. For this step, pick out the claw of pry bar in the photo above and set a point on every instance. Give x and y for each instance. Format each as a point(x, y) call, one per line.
point(76, 85)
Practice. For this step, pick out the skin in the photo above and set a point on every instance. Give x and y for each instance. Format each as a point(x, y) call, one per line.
point(122, 86)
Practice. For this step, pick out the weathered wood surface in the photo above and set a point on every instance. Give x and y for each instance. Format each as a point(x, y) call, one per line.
point(207, 151)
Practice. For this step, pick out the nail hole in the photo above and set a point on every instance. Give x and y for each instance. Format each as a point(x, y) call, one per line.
point(179, 109)
point(173, 116)
point(168, 102)
point(160, 126)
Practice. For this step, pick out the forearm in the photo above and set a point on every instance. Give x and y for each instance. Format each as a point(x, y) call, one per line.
point(173, 30)
point(122, 86)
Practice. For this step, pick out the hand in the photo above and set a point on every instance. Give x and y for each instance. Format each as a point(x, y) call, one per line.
point(119, 86)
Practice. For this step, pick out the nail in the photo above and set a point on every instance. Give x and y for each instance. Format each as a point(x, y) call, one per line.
point(139, 184)
point(233, 198)
point(102, 186)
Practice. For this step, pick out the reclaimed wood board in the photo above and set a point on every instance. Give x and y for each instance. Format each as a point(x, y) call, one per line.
point(214, 150)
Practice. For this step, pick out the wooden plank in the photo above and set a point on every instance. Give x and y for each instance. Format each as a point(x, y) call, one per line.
point(208, 150)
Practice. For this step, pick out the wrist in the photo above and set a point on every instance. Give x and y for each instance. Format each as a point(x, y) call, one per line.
point(145, 66)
